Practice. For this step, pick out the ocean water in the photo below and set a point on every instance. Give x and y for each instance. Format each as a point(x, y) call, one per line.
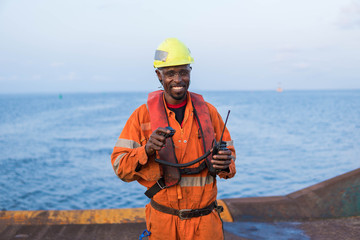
point(55, 152)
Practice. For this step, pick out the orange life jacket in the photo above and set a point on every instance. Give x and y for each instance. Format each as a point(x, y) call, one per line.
point(158, 118)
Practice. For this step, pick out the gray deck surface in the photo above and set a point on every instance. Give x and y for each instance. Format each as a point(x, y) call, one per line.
point(329, 229)
point(124, 231)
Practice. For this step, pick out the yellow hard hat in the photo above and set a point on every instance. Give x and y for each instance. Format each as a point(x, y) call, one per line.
point(172, 52)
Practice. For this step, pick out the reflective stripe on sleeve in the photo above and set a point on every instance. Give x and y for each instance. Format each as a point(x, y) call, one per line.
point(117, 162)
point(196, 181)
point(146, 126)
point(230, 143)
point(121, 142)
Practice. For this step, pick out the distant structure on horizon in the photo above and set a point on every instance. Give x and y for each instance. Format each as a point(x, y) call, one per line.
point(279, 89)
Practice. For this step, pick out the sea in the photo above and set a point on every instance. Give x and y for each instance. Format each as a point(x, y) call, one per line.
point(55, 148)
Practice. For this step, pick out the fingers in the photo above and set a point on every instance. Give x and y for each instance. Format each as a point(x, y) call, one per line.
point(156, 145)
point(156, 141)
point(224, 152)
point(220, 164)
point(161, 131)
point(222, 160)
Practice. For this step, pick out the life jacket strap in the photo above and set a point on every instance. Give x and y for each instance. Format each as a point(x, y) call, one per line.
point(189, 171)
point(160, 184)
point(157, 187)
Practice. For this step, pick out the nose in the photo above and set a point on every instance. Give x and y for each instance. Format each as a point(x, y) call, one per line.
point(177, 77)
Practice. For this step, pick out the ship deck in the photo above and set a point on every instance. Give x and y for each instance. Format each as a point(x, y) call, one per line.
point(327, 210)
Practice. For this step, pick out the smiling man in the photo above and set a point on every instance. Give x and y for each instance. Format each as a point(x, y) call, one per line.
point(167, 146)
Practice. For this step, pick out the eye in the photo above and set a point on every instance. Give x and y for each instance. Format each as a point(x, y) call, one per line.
point(184, 73)
point(170, 74)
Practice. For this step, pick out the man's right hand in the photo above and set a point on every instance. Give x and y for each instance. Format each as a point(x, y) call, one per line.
point(156, 141)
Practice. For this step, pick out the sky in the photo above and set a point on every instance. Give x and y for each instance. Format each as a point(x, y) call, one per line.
point(63, 46)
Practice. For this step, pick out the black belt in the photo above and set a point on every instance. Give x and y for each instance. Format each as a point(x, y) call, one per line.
point(187, 213)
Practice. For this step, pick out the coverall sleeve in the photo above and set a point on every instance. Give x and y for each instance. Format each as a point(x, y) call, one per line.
point(218, 124)
point(129, 159)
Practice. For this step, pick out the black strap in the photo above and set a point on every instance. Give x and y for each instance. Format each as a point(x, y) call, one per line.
point(189, 171)
point(157, 187)
point(160, 184)
point(186, 213)
point(179, 165)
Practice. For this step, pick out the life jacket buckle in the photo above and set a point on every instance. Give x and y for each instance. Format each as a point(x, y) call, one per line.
point(161, 187)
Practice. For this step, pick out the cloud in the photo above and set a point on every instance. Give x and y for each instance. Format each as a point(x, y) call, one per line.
point(290, 56)
point(301, 65)
point(56, 64)
point(285, 53)
point(108, 5)
point(350, 16)
point(13, 77)
point(99, 78)
point(70, 76)
point(36, 77)
point(283, 56)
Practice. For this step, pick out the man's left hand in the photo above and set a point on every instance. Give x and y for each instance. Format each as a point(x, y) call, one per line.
point(222, 160)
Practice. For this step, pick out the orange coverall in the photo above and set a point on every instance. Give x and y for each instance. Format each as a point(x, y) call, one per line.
point(130, 163)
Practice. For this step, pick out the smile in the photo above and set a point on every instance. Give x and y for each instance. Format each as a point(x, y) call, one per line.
point(177, 88)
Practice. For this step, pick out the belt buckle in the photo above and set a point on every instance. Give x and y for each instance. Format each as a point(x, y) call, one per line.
point(182, 211)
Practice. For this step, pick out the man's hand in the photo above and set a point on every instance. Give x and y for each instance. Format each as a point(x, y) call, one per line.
point(222, 160)
point(156, 141)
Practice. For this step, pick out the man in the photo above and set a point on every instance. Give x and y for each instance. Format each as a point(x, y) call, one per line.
point(183, 196)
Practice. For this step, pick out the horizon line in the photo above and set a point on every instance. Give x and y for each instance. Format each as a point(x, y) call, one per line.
point(195, 90)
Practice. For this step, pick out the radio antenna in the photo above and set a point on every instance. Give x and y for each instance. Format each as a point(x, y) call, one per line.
point(224, 126)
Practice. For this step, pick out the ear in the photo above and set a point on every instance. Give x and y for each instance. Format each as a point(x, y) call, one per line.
point(158, 73)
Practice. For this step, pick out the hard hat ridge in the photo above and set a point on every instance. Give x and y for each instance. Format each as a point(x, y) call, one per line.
point(172, 52)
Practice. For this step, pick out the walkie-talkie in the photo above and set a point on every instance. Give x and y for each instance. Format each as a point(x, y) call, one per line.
point(221, 145)
point(218, 146)
point(167, 135)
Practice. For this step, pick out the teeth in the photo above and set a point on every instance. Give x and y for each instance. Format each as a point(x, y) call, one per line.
point(177, 87)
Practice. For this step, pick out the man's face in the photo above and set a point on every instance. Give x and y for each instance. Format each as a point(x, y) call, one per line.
point(176, 81)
